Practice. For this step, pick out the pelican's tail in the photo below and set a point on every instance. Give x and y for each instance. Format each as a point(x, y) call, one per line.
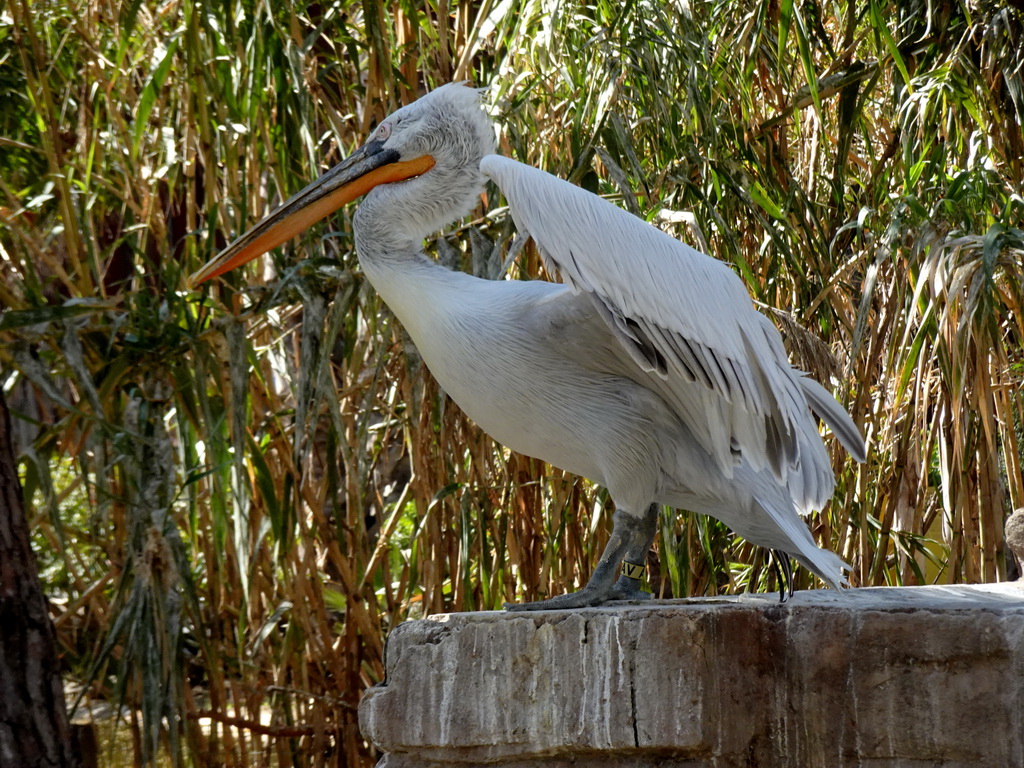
point(827, 566)
point(780, 527)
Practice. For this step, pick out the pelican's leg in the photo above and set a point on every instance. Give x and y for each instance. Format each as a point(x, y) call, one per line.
point(630, 540)
point(634, 564)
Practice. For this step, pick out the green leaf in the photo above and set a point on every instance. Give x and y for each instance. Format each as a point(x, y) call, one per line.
point(882, 29)
point(153, 85)
point(990, 249)
point(807, 62)
point(19, 318)
point(269, 624)
point(444, 493)
point(335, 600)
point(785, 17)
point(760, 196)
point(268, 492)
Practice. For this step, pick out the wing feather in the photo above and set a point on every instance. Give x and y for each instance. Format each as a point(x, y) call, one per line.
point(684, 318)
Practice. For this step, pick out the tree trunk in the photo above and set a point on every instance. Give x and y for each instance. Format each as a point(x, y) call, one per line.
point(34, 730)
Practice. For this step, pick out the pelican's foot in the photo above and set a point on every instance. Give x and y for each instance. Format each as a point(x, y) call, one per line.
point(588, 597)
point(629, 589)
point(585, 598)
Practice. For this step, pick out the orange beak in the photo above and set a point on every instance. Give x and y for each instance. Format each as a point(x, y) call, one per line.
point(364, 169)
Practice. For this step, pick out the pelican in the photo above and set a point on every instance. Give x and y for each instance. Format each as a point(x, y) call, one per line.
point(646, 370)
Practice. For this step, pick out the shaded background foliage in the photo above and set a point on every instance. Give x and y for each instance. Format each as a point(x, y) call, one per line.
point(237, 493)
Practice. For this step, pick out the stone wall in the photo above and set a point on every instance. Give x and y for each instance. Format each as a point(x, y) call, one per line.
point(925, 676)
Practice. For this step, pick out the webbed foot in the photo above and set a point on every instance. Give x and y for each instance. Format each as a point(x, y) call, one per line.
point(624, 589)
point(585, 598)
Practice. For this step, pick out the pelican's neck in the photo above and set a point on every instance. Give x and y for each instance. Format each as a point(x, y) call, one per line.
point(396, 265)
point(407, 280)
point(390, 226)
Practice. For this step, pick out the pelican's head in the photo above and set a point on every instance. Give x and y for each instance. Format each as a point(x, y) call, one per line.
point(420, 170)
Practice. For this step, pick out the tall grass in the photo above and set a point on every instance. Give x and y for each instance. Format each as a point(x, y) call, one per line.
point(239, 492)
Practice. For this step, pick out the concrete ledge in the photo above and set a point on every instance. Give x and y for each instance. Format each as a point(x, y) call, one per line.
point(923, 676)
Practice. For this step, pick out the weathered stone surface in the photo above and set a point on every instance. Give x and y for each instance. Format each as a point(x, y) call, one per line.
point(926, 676)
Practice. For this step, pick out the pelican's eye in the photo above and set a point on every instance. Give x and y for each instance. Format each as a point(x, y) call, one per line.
point(384, 131)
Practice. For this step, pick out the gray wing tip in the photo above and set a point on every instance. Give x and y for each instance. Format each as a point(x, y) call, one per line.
point(828, 409)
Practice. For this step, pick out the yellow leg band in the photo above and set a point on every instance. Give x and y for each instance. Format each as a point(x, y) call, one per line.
point(633, 570)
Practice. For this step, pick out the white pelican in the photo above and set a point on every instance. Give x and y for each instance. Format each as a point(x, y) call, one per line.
point(647, 370)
